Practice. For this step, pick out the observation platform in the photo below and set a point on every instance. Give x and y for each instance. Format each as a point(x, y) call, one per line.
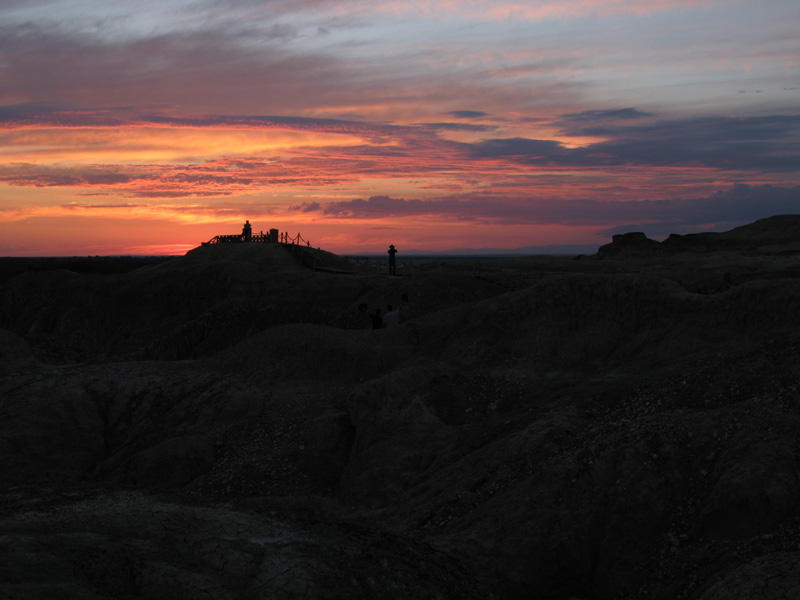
point(312, 258)
point(272, 236)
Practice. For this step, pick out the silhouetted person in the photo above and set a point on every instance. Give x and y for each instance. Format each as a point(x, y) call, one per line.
point(391, 318)
point(247, 231)
point(392, 263)
point(377, 319)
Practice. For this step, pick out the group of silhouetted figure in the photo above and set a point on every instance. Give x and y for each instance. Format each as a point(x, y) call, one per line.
point(384, 320)
point(391, 318)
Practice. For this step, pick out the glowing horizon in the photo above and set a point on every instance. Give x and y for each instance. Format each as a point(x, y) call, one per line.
point(455, 125)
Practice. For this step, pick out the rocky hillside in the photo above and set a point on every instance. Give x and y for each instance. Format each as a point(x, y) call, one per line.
point(228, 424)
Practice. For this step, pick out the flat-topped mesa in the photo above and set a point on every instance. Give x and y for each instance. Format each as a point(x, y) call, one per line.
point(634, 244)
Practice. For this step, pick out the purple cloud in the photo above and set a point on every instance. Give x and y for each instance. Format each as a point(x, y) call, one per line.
point(764, 143)
point(595, 116)
point(740, 204)
point(467, 114)
point(43, 176)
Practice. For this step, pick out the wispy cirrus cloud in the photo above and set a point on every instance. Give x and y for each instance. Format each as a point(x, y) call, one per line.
point(57, 115)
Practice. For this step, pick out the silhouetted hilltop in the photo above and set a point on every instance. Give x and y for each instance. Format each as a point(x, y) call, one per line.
point(200, 303)
point(764, 235)
point(271, 254)
point(263, 254)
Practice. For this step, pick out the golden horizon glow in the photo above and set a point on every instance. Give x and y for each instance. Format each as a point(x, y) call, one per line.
point(144, 145)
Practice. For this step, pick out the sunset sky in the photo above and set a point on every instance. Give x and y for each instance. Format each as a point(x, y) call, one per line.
point(148, 127)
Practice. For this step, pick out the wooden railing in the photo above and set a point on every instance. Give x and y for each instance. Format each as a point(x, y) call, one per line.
point(235, 239)
point(271, 236)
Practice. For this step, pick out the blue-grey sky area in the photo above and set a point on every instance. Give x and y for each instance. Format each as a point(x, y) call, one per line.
point(148, 127)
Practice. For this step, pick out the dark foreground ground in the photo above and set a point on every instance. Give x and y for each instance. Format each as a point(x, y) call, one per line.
point(227, 425)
